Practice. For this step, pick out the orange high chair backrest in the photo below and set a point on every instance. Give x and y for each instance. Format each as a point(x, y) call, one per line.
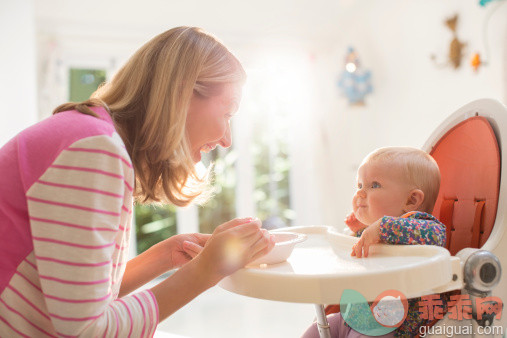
point(469, 160)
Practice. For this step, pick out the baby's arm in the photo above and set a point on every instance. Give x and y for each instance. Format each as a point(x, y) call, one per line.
point(354, 224)
point(398, 230)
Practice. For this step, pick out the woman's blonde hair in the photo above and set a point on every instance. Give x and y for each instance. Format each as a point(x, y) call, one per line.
point(148, 100)
point(419, 168)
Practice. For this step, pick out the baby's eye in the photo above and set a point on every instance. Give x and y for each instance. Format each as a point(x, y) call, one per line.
point(359, 186)
point(375, 185)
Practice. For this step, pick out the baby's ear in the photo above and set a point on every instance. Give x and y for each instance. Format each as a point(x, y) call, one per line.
point(415, 200)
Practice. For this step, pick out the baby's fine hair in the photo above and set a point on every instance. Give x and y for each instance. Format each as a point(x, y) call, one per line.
point(420, 170)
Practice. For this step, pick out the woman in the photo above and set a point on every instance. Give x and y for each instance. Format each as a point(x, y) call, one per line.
point(68, 185)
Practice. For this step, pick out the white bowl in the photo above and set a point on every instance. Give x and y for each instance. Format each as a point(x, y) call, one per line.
point(284, 244)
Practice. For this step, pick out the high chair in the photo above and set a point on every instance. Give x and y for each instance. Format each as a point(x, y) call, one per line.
point(472, 199)
point(471, 203)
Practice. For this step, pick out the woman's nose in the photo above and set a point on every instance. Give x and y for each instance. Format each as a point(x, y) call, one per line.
point(226, 140)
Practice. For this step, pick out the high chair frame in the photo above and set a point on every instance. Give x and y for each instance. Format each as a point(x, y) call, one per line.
point(493, 251)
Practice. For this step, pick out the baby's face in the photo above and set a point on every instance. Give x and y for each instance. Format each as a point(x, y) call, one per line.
point(381, 191)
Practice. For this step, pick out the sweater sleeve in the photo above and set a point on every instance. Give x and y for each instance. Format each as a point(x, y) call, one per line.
point(406, 230)
point(80, 221)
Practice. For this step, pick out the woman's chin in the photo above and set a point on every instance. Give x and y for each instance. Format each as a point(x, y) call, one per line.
point(197, 157)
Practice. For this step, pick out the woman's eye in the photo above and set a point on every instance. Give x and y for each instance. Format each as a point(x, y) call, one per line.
point(375, 185)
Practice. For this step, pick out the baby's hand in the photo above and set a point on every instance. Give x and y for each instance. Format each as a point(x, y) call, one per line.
point(353, 223)
point(371, 235)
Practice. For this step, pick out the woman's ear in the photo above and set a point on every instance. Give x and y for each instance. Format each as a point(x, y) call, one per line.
point(415, 200)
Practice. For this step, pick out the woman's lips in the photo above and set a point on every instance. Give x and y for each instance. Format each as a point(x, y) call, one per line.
point(207, 148)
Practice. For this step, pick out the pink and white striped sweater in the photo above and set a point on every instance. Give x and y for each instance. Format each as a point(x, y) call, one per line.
point(65, 221)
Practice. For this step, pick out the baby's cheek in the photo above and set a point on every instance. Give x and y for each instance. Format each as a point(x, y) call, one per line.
point(354, 202)
point(361, 216)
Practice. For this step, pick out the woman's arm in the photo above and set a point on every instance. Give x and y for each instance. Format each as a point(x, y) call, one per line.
point(181, 287)
point(78, 216)
point(232, 245)
point(142, 269)
point(160, 258)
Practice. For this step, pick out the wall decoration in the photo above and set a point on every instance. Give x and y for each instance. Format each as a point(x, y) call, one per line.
point(456, 47)
point(483, 3)
point(354, 82)
point(476, 61)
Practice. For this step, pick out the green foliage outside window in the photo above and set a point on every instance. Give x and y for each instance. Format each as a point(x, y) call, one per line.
point(271, 190)
point(270, 123)
point(154, 224)
point(222, 207)
point(272, 166)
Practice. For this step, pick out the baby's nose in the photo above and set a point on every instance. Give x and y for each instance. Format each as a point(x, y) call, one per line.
point(361, 193)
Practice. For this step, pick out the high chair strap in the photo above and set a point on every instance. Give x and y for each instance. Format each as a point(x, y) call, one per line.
point(446, 211)
point(408, 214)
point(478, 227)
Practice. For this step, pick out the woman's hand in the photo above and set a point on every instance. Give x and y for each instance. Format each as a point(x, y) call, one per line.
point(181, 248)
point(233, 245)
point(353, 223)
point(371, 235)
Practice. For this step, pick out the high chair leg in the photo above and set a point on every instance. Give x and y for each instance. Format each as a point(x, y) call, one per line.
point(322, 322)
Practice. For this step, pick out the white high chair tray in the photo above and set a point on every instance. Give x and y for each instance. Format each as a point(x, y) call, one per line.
point(321, 268)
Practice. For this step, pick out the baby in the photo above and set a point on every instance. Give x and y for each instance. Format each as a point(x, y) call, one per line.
point(396, 190)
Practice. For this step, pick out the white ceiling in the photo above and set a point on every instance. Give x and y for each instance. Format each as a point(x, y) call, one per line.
point(229, 19)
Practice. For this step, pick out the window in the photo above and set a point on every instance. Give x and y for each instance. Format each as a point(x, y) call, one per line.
point(252, 177)
point(83, 82)
point(271, 194)
point(221, 208)
point(249, 179)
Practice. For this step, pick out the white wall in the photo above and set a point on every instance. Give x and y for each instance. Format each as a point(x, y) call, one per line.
point(411, 95)
point(17, 67)
point(394, 39)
